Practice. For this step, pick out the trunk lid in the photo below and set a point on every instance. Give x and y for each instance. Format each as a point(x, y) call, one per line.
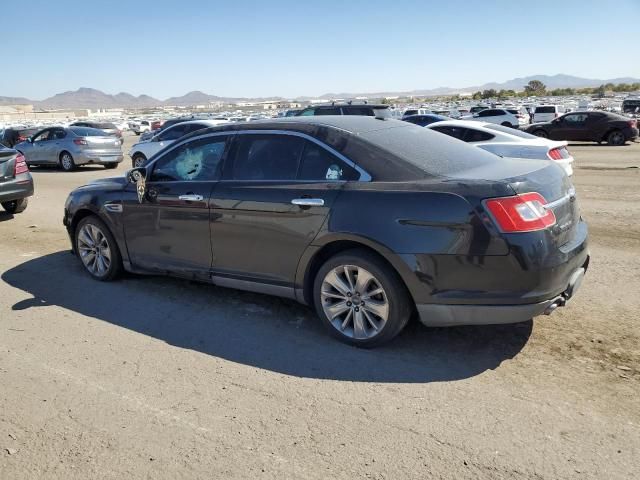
point(556, 187)
point(544, 177)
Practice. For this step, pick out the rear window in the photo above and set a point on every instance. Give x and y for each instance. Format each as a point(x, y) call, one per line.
point(545, 109)
point(382, 112)
point(109, 126)
point(411, 112)
point(510, 131)
point(364, 111)
point(431, 152)
point(87, 132)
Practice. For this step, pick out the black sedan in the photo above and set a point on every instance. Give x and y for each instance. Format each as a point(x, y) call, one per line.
point(589, 126)
point(368, 220)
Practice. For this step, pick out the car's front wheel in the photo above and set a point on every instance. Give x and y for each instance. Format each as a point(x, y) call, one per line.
point(15, 206)
point(616, 138)
point(360, 299)
point(138, 160)
point(97, 249)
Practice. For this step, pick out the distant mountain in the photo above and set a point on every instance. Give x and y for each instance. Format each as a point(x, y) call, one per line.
point(95, 99)
point(551, 81)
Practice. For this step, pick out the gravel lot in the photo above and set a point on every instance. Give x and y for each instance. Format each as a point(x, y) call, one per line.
point(161, 378)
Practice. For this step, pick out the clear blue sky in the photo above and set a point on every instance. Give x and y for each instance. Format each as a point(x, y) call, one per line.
point(297, 47)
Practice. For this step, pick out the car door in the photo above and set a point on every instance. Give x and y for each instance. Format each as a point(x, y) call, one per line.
point(275, 195)
point(39, 147)
point(169, 230)
point(54, 145)
point(569, 127)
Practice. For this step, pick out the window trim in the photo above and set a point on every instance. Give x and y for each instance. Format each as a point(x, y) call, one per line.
point(364, 175)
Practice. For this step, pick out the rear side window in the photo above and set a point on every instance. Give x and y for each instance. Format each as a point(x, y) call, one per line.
point(266, 157)
point(474, 135)
point(329, 111)
point(320, 164)
point(490, 113)
point(411, 112)
point(108, 126)
point(366, 111)
point(545, 110)
point(455, 132)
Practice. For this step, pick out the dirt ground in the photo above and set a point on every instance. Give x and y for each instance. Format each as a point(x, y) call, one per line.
point(161, 378)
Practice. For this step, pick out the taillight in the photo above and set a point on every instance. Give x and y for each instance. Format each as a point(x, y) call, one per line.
point(555, 154)
point(521, 213)
point(633, 123)
point(21, 165)
point(80, 141)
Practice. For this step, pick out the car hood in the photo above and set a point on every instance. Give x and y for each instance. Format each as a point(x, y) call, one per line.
point(110, 183)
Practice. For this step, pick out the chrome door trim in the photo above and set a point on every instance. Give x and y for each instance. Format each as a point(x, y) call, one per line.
point(308, 202)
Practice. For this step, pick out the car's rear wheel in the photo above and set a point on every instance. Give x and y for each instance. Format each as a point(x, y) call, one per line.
point(66, 162)
point(97, 249)
point(360, 299)
point(616, 138)
point(138, 160)
point(506, 124)
point(16, 206)
point(110, 166)
point(541, 134)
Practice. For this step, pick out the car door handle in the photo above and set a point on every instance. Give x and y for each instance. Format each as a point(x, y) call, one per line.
point(308, 202)
point(191, 198)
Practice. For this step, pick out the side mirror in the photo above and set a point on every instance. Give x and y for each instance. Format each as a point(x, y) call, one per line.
point(138, 176)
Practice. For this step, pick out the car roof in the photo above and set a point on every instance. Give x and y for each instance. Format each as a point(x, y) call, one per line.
point(355, 105)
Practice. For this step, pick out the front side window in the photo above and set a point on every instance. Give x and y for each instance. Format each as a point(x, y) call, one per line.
point(575, 119)
point(320, 164)
point(42, 136)
point(199, 161)
point(266, 157)
point(308, 113)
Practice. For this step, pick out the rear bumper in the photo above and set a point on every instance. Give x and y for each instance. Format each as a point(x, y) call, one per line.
point(439, 315)
point(97, 158)
point(16, 189)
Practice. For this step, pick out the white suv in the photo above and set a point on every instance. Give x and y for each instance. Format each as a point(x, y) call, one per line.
point(546, 113)
point(141, 152)
point(499, 116)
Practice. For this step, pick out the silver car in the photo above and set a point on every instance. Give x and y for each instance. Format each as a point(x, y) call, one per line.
point(70, 147)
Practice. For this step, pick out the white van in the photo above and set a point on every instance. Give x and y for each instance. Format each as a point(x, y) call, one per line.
point(546, 113)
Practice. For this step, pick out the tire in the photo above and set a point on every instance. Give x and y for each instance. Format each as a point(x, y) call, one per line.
point(110, 166)
point(392, 301)
point(97, 249)
point(506, 124)
point(66, 162)
point(540, 133)
point(16, 206)
point(137, 160)
point(616, 138)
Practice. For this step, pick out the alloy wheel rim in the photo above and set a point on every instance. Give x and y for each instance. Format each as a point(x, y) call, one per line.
point(94, 250)
point(66, 162)
point(355, 302)
point(617, 137)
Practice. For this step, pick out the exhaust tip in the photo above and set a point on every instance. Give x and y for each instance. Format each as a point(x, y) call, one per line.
point(549, 310)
